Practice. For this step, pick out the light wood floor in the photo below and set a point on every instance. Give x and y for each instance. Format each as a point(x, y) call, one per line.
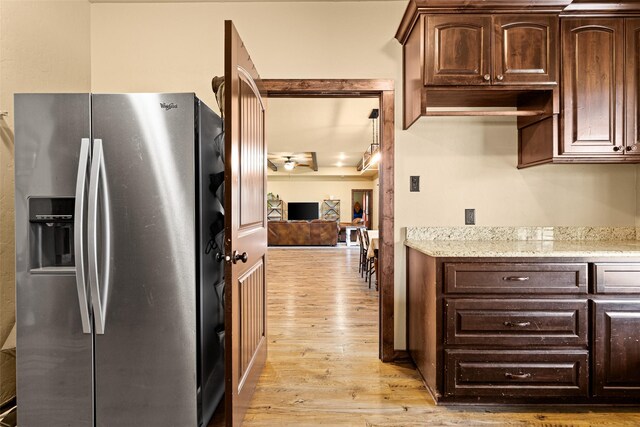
point(323, 366)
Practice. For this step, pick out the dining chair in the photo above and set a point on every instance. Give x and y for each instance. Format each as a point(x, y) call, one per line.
point(363, 252)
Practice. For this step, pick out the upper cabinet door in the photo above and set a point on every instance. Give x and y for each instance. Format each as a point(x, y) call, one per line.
point(525, 49)
point(632, 80)
point(593, 86)
point(458, 50)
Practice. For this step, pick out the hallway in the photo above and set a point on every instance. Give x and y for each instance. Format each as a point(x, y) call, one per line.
point(323, 367)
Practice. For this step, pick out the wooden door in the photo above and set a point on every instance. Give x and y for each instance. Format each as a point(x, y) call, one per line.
point(593, 86)
point(525, 49)
point(367, 208)
point(616, 350)
point(245, 228)
point(365, 198)
point(458, 50)
point(632, 85)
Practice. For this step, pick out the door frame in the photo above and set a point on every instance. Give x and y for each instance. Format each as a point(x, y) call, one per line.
point(384, 90)
point(370, 192)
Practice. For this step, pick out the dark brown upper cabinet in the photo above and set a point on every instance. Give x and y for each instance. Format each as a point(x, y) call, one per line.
point(593, 86)
point(458, 50)
point(600, 90)
point(490, 50)
point(525, 49)
point(632, 81)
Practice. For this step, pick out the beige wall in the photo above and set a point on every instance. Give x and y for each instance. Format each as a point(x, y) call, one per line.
point(317, 190)
point(44, 47)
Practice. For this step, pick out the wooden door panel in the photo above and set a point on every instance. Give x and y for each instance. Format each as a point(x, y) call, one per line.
point(458, 50)
point(245, 230)
point(617, 353)
point(525, 49)
point(632, 82)
point(593, 84)
point(252, 312)
point(252, 149)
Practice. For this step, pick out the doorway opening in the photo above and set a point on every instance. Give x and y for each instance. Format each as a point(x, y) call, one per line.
point(384, 91)
point(364, 200)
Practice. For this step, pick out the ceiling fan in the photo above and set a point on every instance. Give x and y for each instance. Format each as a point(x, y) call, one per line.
point(289, 164)
point(290, 161)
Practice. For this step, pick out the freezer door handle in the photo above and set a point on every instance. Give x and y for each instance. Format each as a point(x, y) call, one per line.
point(99, 285)
point(78, 235)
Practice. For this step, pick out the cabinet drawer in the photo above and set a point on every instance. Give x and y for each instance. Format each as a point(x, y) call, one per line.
point(617, 278)
point(516, 373)
point(518, 278)
point(509, 322)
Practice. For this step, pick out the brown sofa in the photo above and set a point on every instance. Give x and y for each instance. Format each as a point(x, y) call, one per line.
point(303, 233)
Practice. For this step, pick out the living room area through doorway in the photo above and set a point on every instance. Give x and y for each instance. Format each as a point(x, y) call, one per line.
point(323, 158)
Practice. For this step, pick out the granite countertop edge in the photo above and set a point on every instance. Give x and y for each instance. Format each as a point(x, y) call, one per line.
point(528, 248)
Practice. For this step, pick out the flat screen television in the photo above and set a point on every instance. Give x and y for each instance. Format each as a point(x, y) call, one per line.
point(303, 210)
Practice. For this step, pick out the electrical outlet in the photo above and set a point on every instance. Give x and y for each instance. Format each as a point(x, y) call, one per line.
point(415, 184)
point(469, 217)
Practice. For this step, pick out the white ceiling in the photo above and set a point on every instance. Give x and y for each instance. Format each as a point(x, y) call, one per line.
point(337, 129)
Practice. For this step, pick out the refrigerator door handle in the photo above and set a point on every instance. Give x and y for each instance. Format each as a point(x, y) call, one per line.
point(78, 235)
point(99, 294)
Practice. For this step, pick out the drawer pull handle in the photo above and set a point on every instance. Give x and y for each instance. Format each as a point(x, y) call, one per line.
point(518, 324)
point(515, 278)
point(517, 376)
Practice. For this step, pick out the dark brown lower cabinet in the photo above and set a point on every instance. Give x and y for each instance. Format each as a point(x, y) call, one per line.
point(617, 348)
point(543, 373)
point(526, 330)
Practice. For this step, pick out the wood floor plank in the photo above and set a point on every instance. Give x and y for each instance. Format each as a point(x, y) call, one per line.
point(323, 367)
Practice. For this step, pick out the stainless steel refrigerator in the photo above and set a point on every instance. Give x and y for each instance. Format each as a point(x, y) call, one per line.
point(119, 236)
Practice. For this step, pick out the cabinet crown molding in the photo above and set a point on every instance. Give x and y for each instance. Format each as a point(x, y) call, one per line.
point(600, 7)
point(417, 7)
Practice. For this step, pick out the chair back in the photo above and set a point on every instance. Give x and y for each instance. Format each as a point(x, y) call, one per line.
point(366, 238)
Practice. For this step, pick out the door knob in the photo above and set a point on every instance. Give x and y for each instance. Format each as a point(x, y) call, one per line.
point(237, 256)
point(221, 257)
point(487, 77)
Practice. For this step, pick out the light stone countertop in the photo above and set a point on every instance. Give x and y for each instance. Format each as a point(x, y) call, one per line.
point(527, 248)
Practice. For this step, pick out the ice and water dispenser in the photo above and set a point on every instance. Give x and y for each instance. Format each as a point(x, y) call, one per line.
point(51, 234)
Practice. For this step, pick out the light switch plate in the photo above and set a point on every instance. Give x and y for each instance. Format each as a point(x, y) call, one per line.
point(415, 184)
point(469, 217)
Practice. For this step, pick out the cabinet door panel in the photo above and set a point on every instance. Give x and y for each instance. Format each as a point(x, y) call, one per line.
point(632, 81)
point(617, 348)
point(458, 50)
point(525, 49)
point(593, 85)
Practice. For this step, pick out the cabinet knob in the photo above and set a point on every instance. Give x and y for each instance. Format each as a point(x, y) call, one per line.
point(633, 147)
point(487, 77)
point(500, 77)
point(618, 148)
